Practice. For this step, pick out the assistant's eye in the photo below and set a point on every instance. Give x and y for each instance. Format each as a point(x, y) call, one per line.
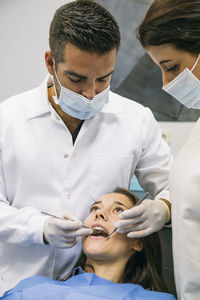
point(94, 208)
point(118, 210)
point(172, 69)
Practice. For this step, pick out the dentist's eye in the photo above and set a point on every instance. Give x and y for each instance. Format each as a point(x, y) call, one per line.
point(103, 79)
point(75, 80)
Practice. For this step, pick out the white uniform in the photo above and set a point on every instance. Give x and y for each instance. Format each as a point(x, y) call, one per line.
point(185, 196)
point(41, 170)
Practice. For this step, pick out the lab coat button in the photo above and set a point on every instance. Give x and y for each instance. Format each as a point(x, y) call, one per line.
point(66, 156)
point(57, 118)
point(68, 196)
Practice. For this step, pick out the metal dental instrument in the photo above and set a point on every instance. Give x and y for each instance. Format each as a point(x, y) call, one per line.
point(138, 203)
point(142, 199)
point(64, 219)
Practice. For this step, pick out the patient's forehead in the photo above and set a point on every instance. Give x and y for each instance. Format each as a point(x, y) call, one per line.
point(110, 199)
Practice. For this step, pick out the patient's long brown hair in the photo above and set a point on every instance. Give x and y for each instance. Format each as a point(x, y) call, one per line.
point(144, 267)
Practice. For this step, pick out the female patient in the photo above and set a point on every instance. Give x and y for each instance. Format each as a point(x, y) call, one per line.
point(115, 267)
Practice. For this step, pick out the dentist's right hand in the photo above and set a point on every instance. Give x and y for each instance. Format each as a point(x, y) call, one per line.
point(63, 233)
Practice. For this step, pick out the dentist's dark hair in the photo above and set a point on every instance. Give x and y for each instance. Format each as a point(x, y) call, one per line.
point(85, 24)
point(175, 22)
point(144, 267)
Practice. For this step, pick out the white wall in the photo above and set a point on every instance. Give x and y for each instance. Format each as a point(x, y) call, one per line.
point(24, 26)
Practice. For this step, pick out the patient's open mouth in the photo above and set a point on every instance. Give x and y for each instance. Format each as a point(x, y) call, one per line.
point(99, 231)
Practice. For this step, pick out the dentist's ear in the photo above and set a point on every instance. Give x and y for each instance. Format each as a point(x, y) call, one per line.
point(137, 245)
point(49, 62)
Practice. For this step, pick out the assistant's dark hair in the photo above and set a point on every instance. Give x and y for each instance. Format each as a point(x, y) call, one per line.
point(172, 21)
point(85, 24)
point(144, 267)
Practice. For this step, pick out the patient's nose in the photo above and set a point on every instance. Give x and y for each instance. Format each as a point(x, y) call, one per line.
point(100, 215)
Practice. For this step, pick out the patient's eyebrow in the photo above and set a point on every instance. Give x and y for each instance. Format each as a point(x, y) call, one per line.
point(96, 202)
point(120, 203)
point(115, 202)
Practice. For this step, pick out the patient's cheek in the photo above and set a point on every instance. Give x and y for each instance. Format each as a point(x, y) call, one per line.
point(87, 221)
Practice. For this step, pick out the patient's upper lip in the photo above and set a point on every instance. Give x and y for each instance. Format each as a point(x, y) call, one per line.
point(100, 225)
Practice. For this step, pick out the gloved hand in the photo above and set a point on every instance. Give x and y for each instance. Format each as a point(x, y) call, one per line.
point(144, 219)
point(63, 233)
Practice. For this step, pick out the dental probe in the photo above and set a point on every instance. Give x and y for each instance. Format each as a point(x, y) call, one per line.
point(64, 219)
point(138, 203)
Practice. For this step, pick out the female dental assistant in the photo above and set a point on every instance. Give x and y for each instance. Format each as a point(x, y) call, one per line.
point(170, 33)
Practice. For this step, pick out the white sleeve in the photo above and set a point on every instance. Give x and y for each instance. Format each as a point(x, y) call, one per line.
point(153, 168)
point(185, 191)
point(18, 226)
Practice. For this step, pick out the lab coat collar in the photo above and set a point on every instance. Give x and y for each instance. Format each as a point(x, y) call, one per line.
point(41, 105)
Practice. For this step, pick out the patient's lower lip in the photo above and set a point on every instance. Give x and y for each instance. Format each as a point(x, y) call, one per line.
point(98, 237)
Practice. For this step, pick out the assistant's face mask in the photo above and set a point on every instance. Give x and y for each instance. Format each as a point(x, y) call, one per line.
point(186, 88)
point(78, 106)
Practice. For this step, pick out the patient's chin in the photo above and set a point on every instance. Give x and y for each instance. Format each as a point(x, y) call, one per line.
point(93, 251)
point(94, 255)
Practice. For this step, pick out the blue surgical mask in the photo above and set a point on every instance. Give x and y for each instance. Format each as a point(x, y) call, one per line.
point(186, 88)
point(78, 106)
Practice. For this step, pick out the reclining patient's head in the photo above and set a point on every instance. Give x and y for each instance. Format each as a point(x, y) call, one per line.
point(103, 214)
point(119, 258)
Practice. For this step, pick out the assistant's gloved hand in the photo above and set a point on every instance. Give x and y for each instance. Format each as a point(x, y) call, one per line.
point(63, 233)
point(144, 219)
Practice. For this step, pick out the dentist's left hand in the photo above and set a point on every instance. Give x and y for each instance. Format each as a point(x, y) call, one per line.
point(63, 233)
point(144, 219)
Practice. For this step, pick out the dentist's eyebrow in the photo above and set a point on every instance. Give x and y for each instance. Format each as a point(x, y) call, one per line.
point(165, 61)
point(75, 74)
point(85, 77)
point(106, 75)
point(120, 203)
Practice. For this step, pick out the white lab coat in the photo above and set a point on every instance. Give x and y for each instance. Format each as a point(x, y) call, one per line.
point(185, 196)
point(41, 170)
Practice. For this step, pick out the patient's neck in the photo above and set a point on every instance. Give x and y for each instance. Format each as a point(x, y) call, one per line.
point(107, 270)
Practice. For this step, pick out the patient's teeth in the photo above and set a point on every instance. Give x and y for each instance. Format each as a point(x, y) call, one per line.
point(98, 228)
